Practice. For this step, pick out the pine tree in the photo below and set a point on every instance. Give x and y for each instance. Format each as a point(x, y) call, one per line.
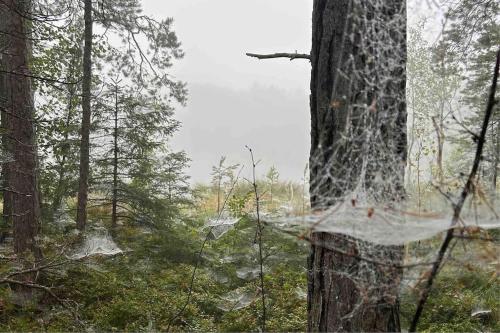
point(272, 178)
point(134, 171)
point(83, 185)
point(220, 173)
point(140, 65)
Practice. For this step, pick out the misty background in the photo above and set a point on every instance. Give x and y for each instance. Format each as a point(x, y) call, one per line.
point(235, 100)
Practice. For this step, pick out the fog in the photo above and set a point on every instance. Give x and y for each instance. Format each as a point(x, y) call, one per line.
point(235, 100)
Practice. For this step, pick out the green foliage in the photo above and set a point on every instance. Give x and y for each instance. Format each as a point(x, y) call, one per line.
point(473, 37)
point(143, 105)
point(134, 166)
point(133, 300)
point(457, 293)
point(286, 307)
point(223, 177)
point(433, 82)
point(237, 203)
point(143, 288)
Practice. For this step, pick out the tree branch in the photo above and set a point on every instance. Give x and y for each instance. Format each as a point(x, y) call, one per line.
point(10, 279)
point(291, 56)
point(39, 78)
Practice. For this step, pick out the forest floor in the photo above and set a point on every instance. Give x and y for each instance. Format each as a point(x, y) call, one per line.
point(145, 285)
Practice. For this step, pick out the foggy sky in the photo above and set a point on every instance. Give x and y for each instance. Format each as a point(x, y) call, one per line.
point(235, 100)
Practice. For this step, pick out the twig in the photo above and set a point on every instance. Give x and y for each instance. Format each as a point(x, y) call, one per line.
point(291, 56)
point(49, 291)
point(39, 78)
point(9, 278)
point(465, 193)
point(475, 137)
point(259, 240)
point(11, 258)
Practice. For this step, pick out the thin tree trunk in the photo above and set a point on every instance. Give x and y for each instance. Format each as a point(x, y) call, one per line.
point(115, 162)
point(218, 193)
point(496, 160)
point(21, 176)
point(411, 137)
point(440, 147)
point(419, 189)
point(344, 292)
point(61, 192)
point(271, 192)
point(58, 195)
point(83, 186)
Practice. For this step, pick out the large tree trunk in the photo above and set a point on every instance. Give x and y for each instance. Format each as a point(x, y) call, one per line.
point(4, 97)
point(358, 145)
point(18, 109)
point(83, 186)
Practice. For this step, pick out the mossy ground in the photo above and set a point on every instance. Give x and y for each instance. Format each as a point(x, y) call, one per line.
point(143, 288)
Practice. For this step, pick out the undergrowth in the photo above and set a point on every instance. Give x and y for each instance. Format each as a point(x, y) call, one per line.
point(143, 288)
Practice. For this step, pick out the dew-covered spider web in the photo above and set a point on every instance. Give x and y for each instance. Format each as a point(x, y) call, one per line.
point(388, 225)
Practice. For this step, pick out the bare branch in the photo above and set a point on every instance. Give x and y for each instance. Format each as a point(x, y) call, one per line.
point(291, 56)
point(39, 78)
point(258, 240)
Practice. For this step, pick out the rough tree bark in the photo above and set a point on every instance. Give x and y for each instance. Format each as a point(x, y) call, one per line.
point(83, 186)
point(18, 114)
point(340, 296)
point(4, 97)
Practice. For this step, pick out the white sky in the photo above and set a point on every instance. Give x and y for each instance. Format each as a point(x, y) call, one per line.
point(235, 100)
